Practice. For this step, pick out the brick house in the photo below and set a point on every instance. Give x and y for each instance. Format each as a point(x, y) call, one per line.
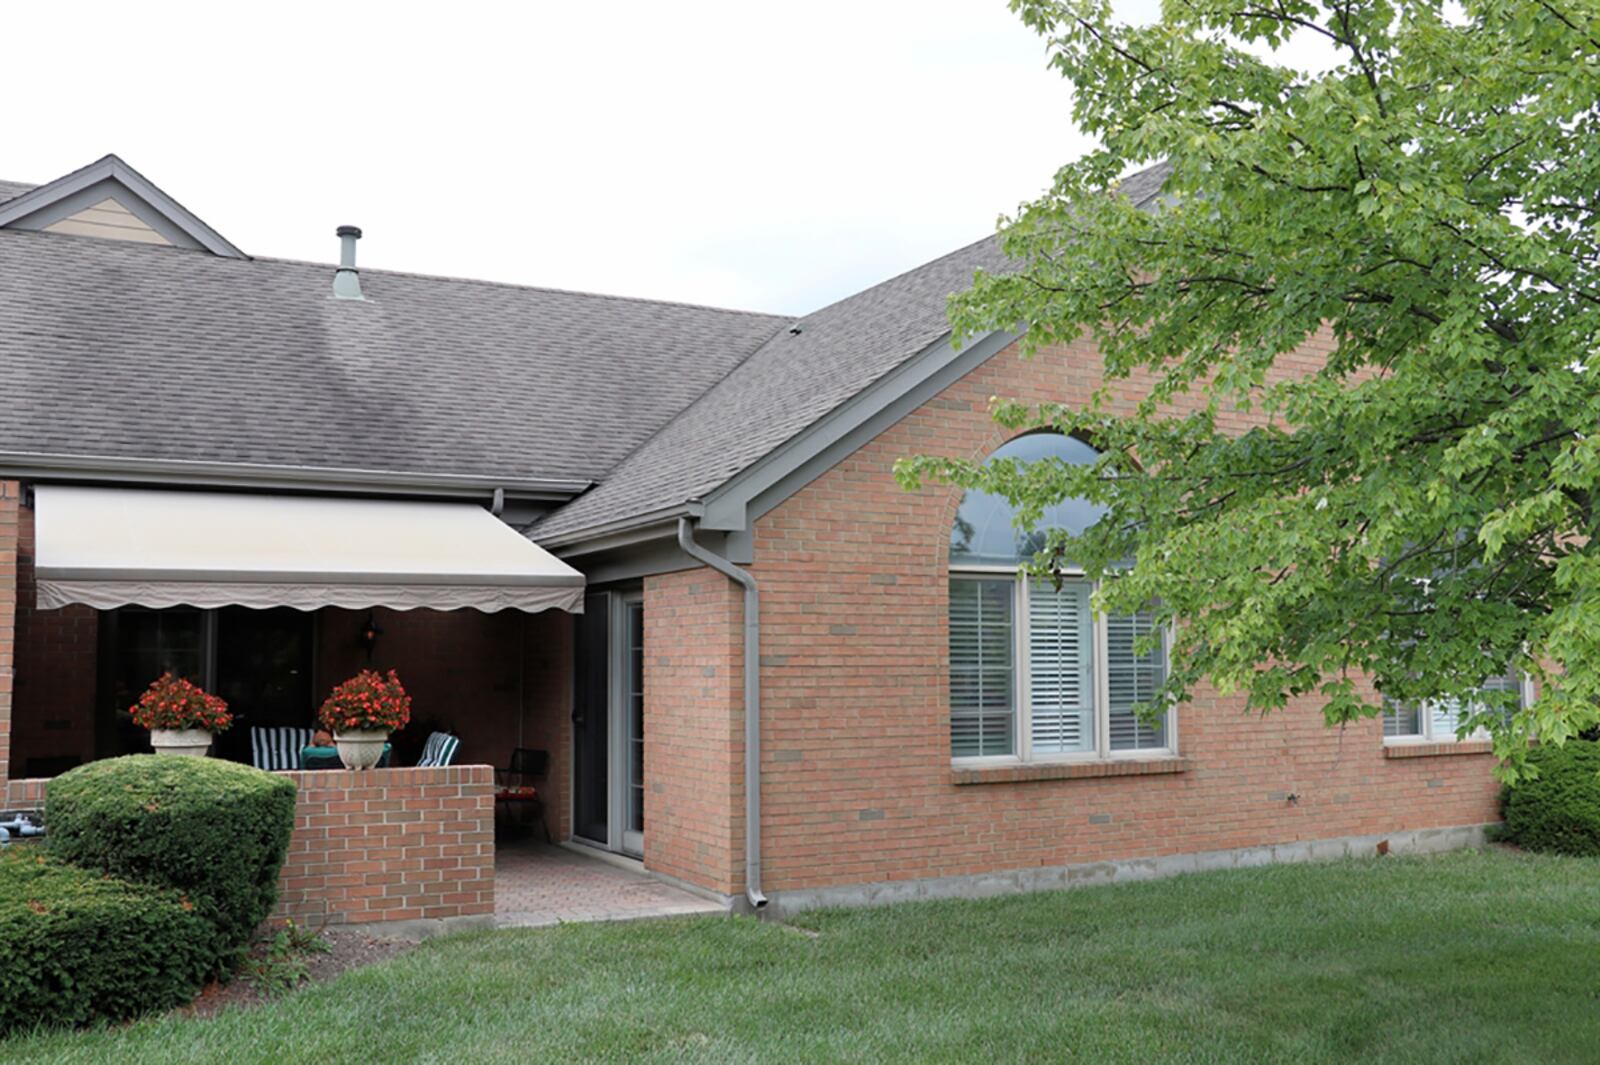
point(576, 523)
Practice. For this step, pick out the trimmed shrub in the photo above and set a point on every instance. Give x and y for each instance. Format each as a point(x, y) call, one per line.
point(216, 831)
point(1560, 810)
point(77, 946)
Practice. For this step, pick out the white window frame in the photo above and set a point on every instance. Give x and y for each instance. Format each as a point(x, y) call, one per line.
point(1425, 719)
point(1021, 687)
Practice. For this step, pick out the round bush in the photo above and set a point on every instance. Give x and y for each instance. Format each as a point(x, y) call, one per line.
point(78, 946)
point(216, 831)
point(1560, 810)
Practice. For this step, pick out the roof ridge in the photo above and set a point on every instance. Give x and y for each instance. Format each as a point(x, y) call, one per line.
point(489, 283)
point(895, 277)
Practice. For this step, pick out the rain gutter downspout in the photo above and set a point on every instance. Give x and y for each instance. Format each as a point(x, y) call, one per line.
point(752, 705)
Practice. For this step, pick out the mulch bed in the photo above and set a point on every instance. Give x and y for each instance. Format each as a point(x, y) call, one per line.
point(348, 950)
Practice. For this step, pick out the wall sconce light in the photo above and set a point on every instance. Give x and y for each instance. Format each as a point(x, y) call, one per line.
point(369, 634)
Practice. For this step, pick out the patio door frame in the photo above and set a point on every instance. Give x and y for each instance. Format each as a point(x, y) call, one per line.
point(627, 837)
point(620, 834)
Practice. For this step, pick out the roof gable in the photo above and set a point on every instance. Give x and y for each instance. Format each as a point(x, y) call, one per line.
point(110, 199)
point(806, 398)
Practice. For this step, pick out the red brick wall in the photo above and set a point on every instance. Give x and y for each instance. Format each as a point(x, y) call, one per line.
point(693, 729)
point(390, 845)
point(56, 652)
point(547, 649)
point(858, 785)
point(378, 845)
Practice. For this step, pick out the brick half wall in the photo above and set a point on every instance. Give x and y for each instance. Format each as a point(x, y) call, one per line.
point(377, 845)
point(390, 845)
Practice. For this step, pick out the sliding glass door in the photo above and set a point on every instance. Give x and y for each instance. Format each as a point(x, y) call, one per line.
point(608, 722)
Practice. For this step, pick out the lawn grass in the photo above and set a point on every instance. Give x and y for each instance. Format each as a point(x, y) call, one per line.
point(1475, 956)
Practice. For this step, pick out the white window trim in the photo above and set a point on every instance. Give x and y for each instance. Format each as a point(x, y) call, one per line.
point(1425, 718)
point(1021, 711)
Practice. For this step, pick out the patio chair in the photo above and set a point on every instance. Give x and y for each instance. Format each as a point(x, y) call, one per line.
point(440, 750)
point(277, 748)
point(516, 788)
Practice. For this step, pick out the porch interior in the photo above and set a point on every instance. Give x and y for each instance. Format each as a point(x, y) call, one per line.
point(499, 681)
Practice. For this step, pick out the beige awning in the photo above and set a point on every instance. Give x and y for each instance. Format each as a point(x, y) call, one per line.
point(110, 547)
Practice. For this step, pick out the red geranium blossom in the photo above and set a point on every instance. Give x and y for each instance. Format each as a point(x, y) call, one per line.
point(367, 701)
point(172, 702)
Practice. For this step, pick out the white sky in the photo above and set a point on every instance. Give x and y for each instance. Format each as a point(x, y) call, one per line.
point(745, 154)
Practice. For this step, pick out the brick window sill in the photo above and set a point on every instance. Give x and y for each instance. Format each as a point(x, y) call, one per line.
point(1436, 750)
point(1118, 767)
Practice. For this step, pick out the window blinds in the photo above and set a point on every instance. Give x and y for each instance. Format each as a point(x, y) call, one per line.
point(1060, 668)
point(981, 668)
point(1133, 678)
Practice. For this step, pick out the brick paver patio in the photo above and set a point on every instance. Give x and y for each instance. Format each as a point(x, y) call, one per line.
point(536, 884)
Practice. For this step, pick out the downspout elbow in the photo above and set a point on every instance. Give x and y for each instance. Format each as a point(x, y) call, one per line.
point(752, 705)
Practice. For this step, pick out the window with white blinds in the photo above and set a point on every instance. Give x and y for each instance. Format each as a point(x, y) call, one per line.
point(1034, 674)
point(982, 669)
point(1060, 668)
point(1438, 720)
point(1132, 679)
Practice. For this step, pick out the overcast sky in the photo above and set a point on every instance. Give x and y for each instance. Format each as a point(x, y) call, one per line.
point(746, 154)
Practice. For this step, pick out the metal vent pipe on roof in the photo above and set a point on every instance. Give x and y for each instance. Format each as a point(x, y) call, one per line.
point(347, 279)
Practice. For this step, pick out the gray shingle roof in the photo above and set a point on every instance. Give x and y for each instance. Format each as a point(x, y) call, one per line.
point(791, 382)
point(138, 351)
point(142, 352)
point(12, 189)
point(785, 386)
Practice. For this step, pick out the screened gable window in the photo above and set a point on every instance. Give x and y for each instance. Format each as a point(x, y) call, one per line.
point(1033, 673)
point(1438, 720)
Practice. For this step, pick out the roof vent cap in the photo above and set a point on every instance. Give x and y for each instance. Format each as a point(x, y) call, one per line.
point(347, 279)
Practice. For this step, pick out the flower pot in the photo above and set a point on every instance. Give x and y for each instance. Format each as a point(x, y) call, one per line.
point(190, 741)
point(360, 748)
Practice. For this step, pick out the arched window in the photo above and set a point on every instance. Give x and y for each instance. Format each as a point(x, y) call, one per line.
point(1034, 675)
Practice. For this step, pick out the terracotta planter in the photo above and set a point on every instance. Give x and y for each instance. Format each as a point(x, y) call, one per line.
point(360, 748)
point(191, 741)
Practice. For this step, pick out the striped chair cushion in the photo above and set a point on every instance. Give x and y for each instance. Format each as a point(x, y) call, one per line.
point(439, 750)
point(278, 748)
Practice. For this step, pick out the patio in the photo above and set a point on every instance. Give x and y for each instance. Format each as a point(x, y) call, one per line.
point(537, 884)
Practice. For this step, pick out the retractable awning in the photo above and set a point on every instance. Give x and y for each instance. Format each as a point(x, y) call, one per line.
point(110, 547)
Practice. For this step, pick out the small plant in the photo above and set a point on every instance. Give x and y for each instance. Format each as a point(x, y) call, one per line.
point(280, 965)
point(367, 701)
point(174, 703)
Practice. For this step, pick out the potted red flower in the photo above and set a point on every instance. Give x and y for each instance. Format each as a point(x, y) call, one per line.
point(180, 716)
point(362, 712)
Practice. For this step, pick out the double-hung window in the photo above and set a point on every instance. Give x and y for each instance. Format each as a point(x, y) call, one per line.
point(1034, 674)
point(1439, 720)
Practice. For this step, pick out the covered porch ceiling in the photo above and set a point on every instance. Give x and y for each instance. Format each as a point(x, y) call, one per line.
point(108, 547)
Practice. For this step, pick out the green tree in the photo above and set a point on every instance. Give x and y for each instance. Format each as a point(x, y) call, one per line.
point(1420, 511)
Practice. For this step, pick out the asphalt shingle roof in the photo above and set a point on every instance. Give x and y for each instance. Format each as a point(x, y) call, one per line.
point(139, 351)
point(791, 382)
point(10, 190)
point(135, 351)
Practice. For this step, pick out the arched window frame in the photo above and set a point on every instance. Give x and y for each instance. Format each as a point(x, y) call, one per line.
point(1044, 624)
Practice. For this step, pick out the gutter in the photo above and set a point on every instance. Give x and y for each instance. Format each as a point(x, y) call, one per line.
point(752, 705)
point(183, 473)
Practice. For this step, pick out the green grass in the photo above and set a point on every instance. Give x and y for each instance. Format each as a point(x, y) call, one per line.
point(1478, 956)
